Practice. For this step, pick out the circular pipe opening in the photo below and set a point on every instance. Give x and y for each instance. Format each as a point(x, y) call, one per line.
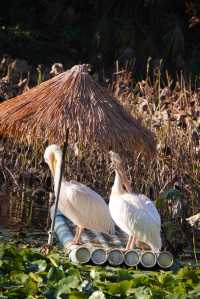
point(131, 258)
point(148, 259)
point(165, 259)
point(99, 256)
point(115, 257)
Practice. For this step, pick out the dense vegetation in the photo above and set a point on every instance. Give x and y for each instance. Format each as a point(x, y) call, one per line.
point(99, 32)
point(26, 273)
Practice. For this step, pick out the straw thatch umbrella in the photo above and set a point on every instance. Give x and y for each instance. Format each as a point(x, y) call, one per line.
point(74, 100)
point(73, 103)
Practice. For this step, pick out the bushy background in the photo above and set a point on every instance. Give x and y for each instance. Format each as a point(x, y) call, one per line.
point(99, 32)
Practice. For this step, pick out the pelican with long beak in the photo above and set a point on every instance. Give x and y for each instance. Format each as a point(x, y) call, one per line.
point(77, 202)
point(134, 213)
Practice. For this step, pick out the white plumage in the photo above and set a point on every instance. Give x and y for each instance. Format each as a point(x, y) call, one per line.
point(83, 206)
point(134, 213)
point(149, 206)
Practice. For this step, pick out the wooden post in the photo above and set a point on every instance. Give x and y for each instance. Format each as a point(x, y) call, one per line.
point(50, 239)
point(50, 203)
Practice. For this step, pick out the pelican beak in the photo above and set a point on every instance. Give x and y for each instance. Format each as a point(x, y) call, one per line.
point(52, 164)
point(124, 178)
point(111, 155)
point(112, 160)
point(127, 185)
point(111, 167)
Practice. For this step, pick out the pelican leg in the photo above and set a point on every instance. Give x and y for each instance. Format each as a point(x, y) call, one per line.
point(128, 243)
point(77, 238)
point(76, 233)
point(142, 247)
point(132, 242)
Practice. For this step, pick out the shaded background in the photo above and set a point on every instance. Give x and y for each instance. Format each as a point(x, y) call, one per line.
point(100, 32)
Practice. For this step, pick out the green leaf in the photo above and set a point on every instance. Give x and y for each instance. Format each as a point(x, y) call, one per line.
point(77, 296)
point(95, 275)
point(55, 274)
point(15, 292)
point(178, 292)
point(66, 284)
point(124, 275)
point(18, 277)
point(31, 287)
point(187, 273)
point(143, 293)
point(120, 288)
point(141, 279)
point(167, 280)
point(42, 265)
point(194, 294)
point(97, 295)
point(10, 286)
point(35, 297)
point(36, 277)
point(2, 251)
point(54, 259)
point(158, 293)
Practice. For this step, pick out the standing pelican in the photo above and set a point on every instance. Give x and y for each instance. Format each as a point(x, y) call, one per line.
point(134, 213)
point(83, 206)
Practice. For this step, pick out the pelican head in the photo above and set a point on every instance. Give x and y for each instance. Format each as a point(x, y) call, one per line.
point(116, 163)
point(52, 155)
point(115, 159)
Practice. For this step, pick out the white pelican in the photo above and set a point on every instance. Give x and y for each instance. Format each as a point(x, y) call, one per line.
point(134, 213)
point(83, 206)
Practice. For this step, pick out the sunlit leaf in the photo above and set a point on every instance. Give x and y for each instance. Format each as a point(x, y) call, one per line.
point(143, 293)
point(77, 295)
point(194, 294)
point(35, 277)
point(66, 284)
point(41, 265)
point(54, 259)
point(118, 288)
point(97, 295)
point(187, 273)
point(140, 279)
point(18, 277)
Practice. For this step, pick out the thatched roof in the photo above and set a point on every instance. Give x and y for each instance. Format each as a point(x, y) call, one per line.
point(74, 100)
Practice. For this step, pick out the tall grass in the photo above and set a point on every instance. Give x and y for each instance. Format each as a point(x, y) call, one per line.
point(172, 111)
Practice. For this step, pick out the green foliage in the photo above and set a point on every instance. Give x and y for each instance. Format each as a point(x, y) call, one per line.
point(25, 273)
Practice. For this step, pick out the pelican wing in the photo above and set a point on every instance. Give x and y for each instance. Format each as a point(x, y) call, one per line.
point(131, 218)
point(142, 223)
point(85, 207)
point(151, 208)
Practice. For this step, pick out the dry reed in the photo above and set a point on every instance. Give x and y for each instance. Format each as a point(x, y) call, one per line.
point(172, 111)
